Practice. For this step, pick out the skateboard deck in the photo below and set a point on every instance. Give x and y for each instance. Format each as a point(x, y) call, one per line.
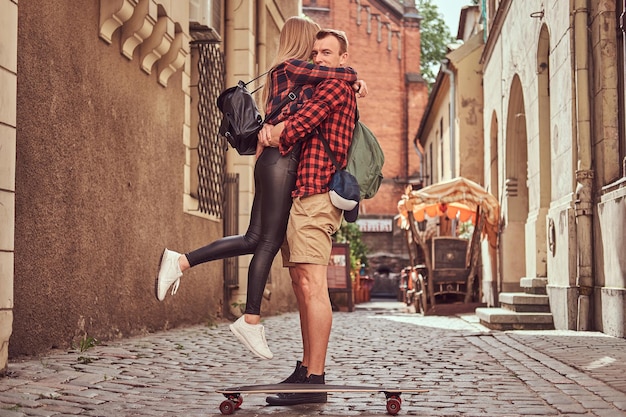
point(234, 399)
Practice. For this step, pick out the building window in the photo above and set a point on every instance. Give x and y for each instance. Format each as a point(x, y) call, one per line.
point(206, 16)
point(431, 171)
point(205, 169)
point(441, 157)
point(207, 149)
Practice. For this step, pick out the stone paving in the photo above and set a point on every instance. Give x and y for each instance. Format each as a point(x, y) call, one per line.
point(468, 370)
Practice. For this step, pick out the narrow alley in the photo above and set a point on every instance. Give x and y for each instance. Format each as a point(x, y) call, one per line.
point(468, 370)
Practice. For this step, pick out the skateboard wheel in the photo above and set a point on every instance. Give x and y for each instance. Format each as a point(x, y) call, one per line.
point(238, 403)
point(393, 406)
point(227, 407)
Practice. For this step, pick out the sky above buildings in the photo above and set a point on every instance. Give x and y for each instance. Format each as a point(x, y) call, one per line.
point(451, 11)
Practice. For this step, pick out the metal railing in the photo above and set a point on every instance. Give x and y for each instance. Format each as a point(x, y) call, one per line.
point(211, 146)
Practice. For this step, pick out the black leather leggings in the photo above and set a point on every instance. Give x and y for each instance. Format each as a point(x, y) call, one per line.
point(274, 179)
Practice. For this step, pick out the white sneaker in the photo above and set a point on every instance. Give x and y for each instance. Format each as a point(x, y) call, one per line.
point(169, 273)
point(253, 336)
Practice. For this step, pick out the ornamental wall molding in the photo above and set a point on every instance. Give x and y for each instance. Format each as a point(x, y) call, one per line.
point(145, 24)
point(365, 14)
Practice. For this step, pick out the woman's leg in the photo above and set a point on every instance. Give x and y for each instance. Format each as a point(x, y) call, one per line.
point(277, 178)
point(231, 246)
point(225, 247)
point(173, 264)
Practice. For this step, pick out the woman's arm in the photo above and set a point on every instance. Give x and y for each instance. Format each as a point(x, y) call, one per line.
point(303, 72)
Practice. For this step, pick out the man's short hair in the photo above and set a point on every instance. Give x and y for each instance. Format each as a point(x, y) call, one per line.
point(340, 35)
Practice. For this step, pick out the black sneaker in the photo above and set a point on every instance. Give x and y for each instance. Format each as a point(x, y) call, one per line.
point(294, 398)
point(297, 376)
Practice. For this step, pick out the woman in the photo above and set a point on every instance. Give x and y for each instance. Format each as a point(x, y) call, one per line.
point(274, 179)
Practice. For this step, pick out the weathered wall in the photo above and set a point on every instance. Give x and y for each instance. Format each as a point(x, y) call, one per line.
point(562, 220)
point(469, 108)
point(610, 226)
point(8, 96)
point(98, 188)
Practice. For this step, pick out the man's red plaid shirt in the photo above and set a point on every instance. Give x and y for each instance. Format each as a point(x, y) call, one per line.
point(331, 110)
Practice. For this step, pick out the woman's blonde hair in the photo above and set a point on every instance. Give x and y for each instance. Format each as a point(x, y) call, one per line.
point(295, 42)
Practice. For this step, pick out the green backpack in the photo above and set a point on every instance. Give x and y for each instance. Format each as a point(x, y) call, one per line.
point(365, 160)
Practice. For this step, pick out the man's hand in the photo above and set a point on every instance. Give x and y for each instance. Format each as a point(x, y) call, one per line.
point(360, 87)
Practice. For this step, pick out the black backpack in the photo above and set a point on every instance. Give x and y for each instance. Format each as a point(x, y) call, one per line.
point(241, 117)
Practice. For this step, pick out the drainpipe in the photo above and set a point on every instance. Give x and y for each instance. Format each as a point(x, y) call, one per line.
point(584, 173)
point(261, 27)
point(444, 68)
point(483, 17)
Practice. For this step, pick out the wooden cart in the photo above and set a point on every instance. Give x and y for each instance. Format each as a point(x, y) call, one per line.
point(450, 264)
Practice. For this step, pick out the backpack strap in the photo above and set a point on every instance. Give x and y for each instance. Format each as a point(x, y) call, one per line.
point(328, 151)
point(293, 94)
point(327, 145)
point(254, 79)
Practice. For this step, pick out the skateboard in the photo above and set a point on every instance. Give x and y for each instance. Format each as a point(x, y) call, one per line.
point(234, 399)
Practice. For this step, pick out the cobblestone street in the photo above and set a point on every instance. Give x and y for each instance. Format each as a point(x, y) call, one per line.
point(468, 370)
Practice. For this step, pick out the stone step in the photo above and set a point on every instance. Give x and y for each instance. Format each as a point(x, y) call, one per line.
point(534, 285)
point(523, 298)
point(524, 302)
point(503, 319)
point(526, 308)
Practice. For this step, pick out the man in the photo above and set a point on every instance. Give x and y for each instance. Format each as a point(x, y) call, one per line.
point(313, 218)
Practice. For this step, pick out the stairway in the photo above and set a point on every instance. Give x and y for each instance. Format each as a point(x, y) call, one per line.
point(528, 310)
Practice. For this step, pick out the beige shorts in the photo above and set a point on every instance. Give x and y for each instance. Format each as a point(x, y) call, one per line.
point(312, 222)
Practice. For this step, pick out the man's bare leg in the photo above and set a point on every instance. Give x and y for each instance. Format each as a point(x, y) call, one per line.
point(313, 283)
point(297, 289)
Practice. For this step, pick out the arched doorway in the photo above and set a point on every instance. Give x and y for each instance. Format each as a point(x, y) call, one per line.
point(515, 191)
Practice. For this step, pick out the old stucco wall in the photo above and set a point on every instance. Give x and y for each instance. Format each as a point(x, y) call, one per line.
point(99, 184)
point(8, 97)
